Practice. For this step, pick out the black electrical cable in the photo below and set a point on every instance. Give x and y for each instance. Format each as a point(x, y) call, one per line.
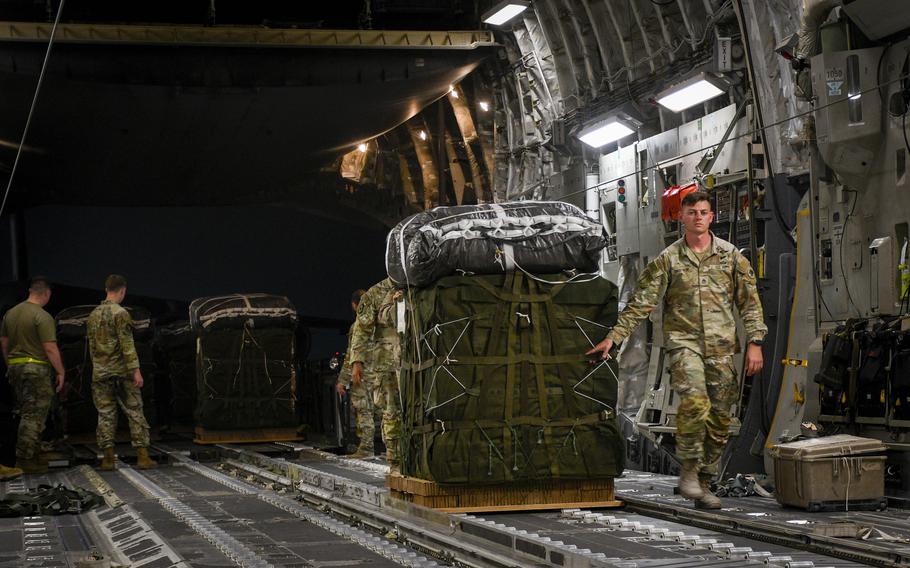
point(843, 237)
point(31, 108)
point(818, 289)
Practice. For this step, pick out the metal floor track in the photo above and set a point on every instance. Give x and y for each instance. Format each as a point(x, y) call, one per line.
point(288, 505)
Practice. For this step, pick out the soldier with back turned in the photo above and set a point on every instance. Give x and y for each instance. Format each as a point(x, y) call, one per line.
point(116, 378)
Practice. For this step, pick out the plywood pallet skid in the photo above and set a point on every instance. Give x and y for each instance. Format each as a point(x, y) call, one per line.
point(518, 496)
point(204, 436)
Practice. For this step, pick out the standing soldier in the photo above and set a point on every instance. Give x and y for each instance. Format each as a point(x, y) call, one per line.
point(364, 395)
point(376, 359)
point(116, 378)
point(698, 279)
point(28, 337)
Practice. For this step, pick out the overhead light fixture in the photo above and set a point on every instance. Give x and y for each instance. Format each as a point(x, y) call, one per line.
point(692, 91)
point(504, 11)
point(423, 134)
point(607, 130)
point(454, 93)
point(362, 147)
point(484, 106)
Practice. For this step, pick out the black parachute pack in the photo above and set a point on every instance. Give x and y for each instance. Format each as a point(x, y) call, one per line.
point(245, 361)
point(49, 500)
point(534, 236)
point(495, 385)
point(837, 355)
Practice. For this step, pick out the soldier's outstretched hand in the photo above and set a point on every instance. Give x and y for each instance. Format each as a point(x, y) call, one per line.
point(754, 359)
point(137, 379)
point(603, 348)
point(356, 373)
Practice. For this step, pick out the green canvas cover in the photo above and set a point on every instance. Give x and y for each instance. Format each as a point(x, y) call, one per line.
point(495, 385)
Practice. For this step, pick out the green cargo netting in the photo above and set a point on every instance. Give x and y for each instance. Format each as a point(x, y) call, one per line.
point(495, 384)
point(245, 379)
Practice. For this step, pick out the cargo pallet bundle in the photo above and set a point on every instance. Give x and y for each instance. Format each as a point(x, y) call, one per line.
point(501, 409)
point(245, 368)
point(176, 347)
point(76, 413)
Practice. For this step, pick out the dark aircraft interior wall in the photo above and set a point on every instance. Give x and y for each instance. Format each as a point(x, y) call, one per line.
point(185, 253)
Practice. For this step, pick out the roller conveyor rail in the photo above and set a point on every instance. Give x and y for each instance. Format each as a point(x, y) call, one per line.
point(291, 505)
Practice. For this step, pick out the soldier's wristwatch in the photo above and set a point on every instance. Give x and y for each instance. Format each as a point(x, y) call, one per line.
point(758, 342)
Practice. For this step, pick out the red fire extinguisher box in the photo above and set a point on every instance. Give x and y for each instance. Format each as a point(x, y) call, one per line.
point(671, 203)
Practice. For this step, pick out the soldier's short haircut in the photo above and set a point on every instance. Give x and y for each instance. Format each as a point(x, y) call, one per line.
point(114, 283)
point(38, 285)
point(357, 295)
point(696, 197)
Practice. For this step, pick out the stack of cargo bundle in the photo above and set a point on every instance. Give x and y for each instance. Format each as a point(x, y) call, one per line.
point(245, 367)
point(176, 345)
point(500, 404)
point(79, 413)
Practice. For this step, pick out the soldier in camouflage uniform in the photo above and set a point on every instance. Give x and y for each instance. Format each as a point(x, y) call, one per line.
point(366, 398)
point(116, 378)
point(698, 280)
point(376, 358)
point(28, 337)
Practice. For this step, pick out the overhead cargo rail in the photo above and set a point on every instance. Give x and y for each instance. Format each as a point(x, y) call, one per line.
point(244, 36)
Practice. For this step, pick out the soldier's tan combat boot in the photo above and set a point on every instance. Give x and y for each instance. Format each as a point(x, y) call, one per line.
point(107, 462)
point(143, 461)
point(689, 486)
point(362, 453)
point(8, 473)
point(708, 500)
point(32, 465)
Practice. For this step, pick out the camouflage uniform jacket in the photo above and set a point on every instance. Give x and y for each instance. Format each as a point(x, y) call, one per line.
point(698, 299)
point(345, 376)
point(375, 337)
point(110, 341)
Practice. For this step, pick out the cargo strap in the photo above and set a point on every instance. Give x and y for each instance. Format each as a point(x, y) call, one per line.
point(497, 360)
point(49, 500)
point(451, 425)
point(25, 361)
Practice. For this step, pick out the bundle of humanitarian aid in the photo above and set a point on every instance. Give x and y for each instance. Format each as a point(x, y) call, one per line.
point(495, 387)
point(245, 362)
point(537, 237)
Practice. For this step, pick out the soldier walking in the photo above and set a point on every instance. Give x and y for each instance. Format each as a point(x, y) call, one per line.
point(28, 337)
point(698, 280)
point(365, 397)
point(376, 359)
point(116, 378)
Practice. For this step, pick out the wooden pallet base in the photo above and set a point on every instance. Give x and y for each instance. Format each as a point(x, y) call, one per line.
point(522, 496)
point(254, 435)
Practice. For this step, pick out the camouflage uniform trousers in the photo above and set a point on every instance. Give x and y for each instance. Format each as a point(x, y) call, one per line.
point(110, 392)
point(369, 402)
point(391, 413)
point(32, 384)
point(707, 389)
